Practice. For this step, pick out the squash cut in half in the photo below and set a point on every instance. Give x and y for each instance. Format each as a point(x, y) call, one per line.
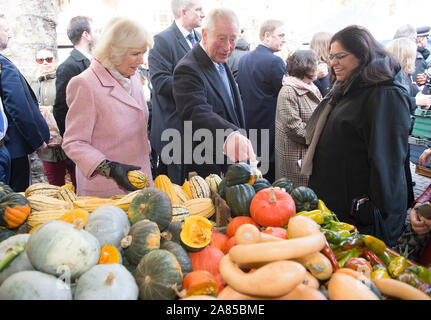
point(196, 233)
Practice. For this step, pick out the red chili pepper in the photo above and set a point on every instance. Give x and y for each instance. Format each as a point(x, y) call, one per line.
point(373, 258)
point(327, 251)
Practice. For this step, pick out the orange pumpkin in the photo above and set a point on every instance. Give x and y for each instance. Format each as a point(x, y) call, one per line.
point(207, 259)
point(219, 240)
point(74, 215)
point(109, 254)
point(230, 243)
point(14, 210)
point(276, 231)
point(272, 207)
point(236, 222)
point(200, 282)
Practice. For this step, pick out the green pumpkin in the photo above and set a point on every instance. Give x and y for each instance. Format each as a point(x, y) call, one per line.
point(5, 233)
point(222, 189)
point(180, 253)
point(151, 204)
point(239, 173)
point(239, 198)
point(14, 210)
point(5, 189)
point(159, 276)
point(144, 236)
point(261, 184)
point(172, 232)
point(305, 199)
point(284, 183)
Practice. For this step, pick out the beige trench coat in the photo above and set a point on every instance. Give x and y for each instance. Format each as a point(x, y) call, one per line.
point(294, 108)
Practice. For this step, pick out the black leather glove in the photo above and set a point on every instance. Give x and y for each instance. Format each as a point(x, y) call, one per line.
point(118, 172)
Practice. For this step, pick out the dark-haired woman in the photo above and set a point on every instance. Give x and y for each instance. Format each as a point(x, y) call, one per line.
point(296, 102)
point(359, 137)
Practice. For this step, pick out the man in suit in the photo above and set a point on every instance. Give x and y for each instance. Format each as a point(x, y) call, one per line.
point(170, 46)
point(260, 74)
point(208, 99)
point(82, 35)
point(26, 129)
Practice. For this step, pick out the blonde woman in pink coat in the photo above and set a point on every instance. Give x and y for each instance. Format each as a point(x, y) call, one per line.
point(106, 125)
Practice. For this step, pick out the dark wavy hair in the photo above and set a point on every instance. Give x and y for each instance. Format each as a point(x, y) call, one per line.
point(302, 63)
point(76, 27)
point(376, 64)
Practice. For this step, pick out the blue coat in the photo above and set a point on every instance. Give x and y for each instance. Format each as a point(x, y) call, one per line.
point(260, 75)
point(27, 129)
point(169, 47)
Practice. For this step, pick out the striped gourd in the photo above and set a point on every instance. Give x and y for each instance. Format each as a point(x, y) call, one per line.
point(43, 203)
point(199, 188)
point(163, 183)
point(67, 194)
point(92, 203)
point(213, 181)
point(68, 186)
point(186, 188)
point(200, 207)
point(42, 189)
point(37, 217)
point(138, 179)
point(179, 213)
point(181, 194)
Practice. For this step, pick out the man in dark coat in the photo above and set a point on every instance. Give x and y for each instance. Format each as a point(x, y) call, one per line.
point(27, 130)
point(422, 54)
point(260, 75)
point(241, 49)
point(82, 36)
point(170, 46)
point(206, 94)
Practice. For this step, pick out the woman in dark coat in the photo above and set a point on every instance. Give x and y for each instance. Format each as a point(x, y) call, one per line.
point(359, 137)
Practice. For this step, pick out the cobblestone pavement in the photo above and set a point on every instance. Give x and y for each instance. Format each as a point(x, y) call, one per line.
point(422, 182)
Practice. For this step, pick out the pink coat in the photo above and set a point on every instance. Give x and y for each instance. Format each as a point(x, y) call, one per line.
point(105, 122)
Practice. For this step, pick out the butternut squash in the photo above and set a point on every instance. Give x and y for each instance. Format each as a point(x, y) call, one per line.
point(272, 280)
point(248, 234)
point(319, 265)
point(401, 290)
point(344, 287)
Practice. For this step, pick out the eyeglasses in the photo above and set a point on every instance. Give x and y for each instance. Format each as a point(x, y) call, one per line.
point(47, 59)
point(338, 56)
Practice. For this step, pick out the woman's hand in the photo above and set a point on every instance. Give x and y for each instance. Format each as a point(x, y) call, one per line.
point(419, 224)
point(425, 157)
point(423, 100)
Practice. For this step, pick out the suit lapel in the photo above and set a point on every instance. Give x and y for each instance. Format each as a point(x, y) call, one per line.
point(117, 92)
point(214, 79)
point(180, 38)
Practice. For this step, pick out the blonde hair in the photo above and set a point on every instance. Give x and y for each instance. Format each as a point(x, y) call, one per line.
point(320, 43)
point(119, 35)
point(404, 49)
point(269, 26)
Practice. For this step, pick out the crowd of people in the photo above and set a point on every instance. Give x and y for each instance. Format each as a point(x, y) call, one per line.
point(337, 115)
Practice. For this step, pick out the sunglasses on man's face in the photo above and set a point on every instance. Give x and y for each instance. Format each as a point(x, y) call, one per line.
point(47, 59)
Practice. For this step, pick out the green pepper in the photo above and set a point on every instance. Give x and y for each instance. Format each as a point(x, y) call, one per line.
point(423, 273)
point(352, 253)
point(338, 226)
point(344, 233)
point(385, 257)
point(374, 244)
point(397, 265)
point(332, 236)
point(410, 278)
point(308, 213)
point(317, 217)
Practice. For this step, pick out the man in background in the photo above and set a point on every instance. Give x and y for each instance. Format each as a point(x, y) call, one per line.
point(170, 46)
point(260, 74)
point(81, 33)
point(242, 47)
point(422, 55)
point(26, 129)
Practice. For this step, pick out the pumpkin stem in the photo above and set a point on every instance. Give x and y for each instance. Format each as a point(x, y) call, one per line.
point(181, 294)
point(142, 207)
point(166, 235)
point(147, 279)
point(126, 242)
point(272, 197)
point(78, 223)
point(109, 279)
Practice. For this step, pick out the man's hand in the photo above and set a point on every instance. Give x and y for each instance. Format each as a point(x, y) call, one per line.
point(421, 79)
point(419, 224)
point(239, 148)
point(425, 157)
point(423, 100)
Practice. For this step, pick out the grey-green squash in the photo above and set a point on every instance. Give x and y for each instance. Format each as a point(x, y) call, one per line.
point(180, 253)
